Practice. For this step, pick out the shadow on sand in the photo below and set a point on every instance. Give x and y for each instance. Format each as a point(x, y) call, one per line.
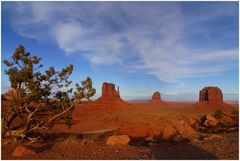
point(181, 151)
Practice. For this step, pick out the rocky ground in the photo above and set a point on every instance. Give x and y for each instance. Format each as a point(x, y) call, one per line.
point(152, 133)
point(224, 147)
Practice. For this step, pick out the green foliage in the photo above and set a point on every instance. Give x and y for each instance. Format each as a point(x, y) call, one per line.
point(37, 103)
point(218, 114)
point(85, 91)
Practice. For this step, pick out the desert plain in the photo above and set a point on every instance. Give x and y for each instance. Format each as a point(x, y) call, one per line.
point(112, 128)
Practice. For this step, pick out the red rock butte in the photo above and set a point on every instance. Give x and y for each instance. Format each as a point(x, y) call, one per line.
point(156, 99)
point(110, 96)
point(212, 97)
point(211, 94)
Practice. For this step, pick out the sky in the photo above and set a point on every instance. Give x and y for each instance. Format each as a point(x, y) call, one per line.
point(176, 48)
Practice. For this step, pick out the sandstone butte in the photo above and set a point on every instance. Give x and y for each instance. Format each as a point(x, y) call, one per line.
point(212, 97)
point(156, 100)
point(110, 96)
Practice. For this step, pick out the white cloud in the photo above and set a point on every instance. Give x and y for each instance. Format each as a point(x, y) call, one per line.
point(141, 37)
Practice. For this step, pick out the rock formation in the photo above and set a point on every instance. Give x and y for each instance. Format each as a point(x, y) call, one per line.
point(211, 94)
point(108, 89)
point(156, 96)
point(212, 97)
point(110, 96)
point(156, 99)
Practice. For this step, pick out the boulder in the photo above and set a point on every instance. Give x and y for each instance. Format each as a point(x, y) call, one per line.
point(178, 130)
point(211, 94)
point(22, 151)
point(169, 132)
point(185, 130)
point(118, 140)
point(210, 121)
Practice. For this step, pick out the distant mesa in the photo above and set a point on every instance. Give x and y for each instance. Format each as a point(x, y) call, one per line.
point(156, 99)
point(211, 94)
point(156, 96)
point(212, 97)
point(110, 96)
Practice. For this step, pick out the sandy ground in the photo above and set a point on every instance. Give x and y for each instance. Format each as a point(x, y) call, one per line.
point(138, 120)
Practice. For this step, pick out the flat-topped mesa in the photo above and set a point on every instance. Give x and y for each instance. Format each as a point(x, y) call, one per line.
point(211, 95)
point(108, 89)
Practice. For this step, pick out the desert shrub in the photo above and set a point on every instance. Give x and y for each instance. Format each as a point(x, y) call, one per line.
point(41, 98)
point(218, 114)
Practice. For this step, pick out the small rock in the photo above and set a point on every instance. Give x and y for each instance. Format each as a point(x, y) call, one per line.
point(150, 139)
point(233, 129)
point(118, 140)
point(192, 121)
point(215, 136)
point(22, 151)
point(210, 117)
point(210, 121)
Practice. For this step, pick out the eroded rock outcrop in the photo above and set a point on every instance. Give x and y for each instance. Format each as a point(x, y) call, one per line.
point(110, 96)
point(108, 89)
point(212, 97)
point(211, 94)
point(156, 99)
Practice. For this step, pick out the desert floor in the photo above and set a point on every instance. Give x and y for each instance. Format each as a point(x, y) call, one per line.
point(93, 124)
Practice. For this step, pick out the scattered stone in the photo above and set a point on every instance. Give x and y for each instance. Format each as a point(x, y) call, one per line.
point(22, 151)
point(118, 140)
point(214, 136)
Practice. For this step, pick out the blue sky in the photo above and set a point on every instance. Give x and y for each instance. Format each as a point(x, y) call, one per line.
point(176, 48)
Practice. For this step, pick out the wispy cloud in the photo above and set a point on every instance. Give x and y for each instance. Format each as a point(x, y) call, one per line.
point(157, 38)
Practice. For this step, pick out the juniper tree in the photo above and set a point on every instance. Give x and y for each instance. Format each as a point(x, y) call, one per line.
point(37, 105)
point(86, 90)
